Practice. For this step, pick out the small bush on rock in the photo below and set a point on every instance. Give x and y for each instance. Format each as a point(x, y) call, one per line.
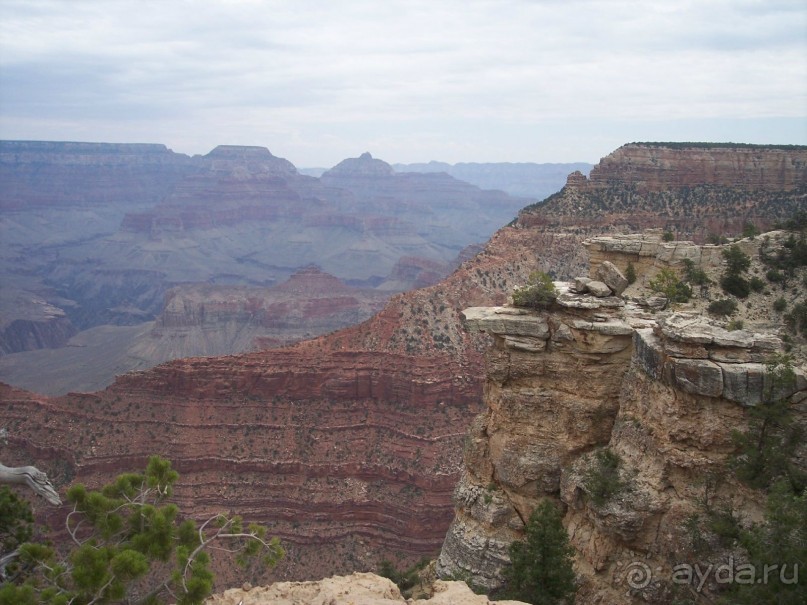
point(603, 479)
point(668, 284)
point(722, 307)
point(539, 293)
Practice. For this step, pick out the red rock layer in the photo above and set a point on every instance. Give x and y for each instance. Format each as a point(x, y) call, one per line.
point(659, 167)
point(352, 440)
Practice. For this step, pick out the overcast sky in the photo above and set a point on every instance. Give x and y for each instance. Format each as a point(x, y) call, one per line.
point(317, 81)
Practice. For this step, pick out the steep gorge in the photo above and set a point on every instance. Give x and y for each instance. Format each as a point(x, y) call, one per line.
point(354, 439)
point(663, 393)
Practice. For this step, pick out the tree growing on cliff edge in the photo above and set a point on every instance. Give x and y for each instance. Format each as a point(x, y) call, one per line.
point(129, 545)
point(539, 293)
point(541, 571)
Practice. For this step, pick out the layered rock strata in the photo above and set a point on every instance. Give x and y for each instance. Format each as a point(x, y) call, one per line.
point(662, 392)
point(699, 189)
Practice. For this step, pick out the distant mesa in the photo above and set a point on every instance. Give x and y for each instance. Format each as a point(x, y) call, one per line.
point(364, 165)
point(253, 156)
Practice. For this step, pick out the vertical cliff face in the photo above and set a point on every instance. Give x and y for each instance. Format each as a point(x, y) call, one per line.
point(351, 443)
point(663, 167)
point(696, 189)
point(660, 392)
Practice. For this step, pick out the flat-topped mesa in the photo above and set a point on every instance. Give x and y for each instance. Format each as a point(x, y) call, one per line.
point(663, 166)
point(58, 152)
point(693, 189)
point(252, 157)
point(663, 392)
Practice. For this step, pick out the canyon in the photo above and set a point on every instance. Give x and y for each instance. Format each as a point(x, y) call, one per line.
point(350, 445)
point(99, 239)
point(664, 392)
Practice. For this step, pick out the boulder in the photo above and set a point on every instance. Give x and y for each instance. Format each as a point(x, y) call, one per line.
point(580, 285)
point(612, 277)
point(599, 289)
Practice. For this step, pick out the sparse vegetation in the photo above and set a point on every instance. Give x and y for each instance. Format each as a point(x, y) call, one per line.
point(716, 239)
point(541, 572)
point(630, 273)
point(782, 539)
point(765, 452)
point(735, 324)
point(750, 230)
point(694, 275)
point(603, 479)
point(667, 236)
point(796, 320)
point(130, 546)
point(406, 579)
point(737, 263)
point(722, 307)
point(667, 283)
point(539, 293)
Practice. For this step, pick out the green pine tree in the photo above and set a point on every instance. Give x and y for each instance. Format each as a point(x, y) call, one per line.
point(129, 544)
point(541, 571)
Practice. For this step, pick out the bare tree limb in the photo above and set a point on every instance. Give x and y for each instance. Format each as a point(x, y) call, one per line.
point(33, 478)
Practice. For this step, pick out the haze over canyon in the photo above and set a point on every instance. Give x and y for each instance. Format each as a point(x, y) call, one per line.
point(361, 444)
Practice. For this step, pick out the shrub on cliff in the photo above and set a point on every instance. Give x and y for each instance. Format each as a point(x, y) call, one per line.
point(722, 307)
point(667, 283)
point(694, 275)
point(130, 546)
point(767, 451)
point(541, 572)
point(737, 263)
point(630, 273)
point(539, 293)
point(603, 479)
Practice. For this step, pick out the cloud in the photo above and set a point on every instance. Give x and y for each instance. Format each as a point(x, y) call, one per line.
point(310, 76)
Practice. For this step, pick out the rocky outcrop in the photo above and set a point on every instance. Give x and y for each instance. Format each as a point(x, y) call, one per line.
point(648, 252)
point(666, 167)
point(538, 421)
point(695, 189)
point(39, 325)
point(356, 589)
point(353, 440)
point(661, 392)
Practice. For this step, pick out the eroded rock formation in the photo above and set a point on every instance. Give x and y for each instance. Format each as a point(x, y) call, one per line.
point(353, 440)
point(660, 391)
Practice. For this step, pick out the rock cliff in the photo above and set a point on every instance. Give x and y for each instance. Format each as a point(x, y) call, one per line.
point(668, 166)
point(697, 189)
point(662, 392)
point(354, 439)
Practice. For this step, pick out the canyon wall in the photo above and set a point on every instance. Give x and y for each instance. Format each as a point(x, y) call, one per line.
point(699, 190)
point(661, 167)
point(661, 392)
point(354, 439)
